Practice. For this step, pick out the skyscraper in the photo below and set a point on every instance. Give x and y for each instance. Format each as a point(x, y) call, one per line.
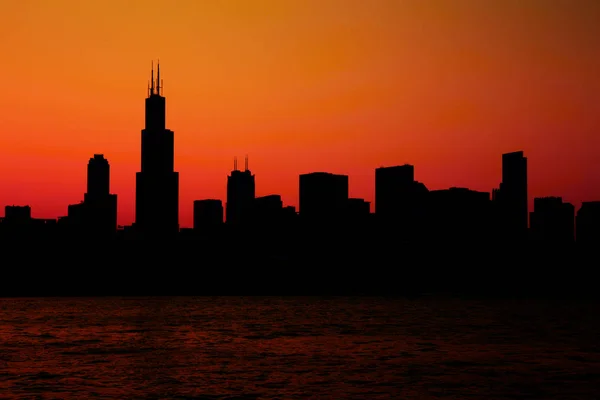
point(401, 201)
point(99, 205)
point(392, 186)
point(323, 197)
point(98, 176)
point(512, 197)
point(157, 184)
point(241, 188)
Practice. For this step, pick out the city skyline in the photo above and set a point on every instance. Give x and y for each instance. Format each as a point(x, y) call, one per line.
point(374, 100)
point(157, 156)
point(299, 199)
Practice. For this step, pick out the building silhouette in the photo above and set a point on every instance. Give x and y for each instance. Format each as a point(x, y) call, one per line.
point(157, 183)
point(587, 223)
point(19, 224)
point(358, 208)
point(330, 230)
point(552, 220)
point(323, 198)
point(401, 202)
point(75, 223)
point(98, 177)
point(460, 214)
point(241, 192)
point(511, 198)
point(405, 210)
point(268, 211)
point(208, 215)
point(289, 215)
point(96, 215)
point(391, 185)
point(17, 221)
point(17, 215)
point(100, 204)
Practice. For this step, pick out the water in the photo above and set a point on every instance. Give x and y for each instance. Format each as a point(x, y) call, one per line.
point(297, 348)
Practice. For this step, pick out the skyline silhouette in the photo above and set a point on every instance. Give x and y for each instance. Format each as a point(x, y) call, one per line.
point(402, 203)
point(340, 198)
point(157, 183)
point(330, 231)
point(301, 87)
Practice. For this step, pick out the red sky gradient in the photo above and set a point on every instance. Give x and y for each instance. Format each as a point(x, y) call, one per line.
point(342, 86)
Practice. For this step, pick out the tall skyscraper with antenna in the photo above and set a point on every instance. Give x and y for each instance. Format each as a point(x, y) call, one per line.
point(157, 183)
point(240, 194)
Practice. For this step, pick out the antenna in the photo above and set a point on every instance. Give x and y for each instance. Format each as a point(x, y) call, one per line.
point(246, 163)
point(152, 79)
point(158, 80)
point(235, 163)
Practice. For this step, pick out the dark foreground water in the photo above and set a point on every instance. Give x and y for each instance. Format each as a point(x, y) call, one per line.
point(298, 348)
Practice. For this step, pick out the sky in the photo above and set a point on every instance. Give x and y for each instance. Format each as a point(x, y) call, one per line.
point(342, 86)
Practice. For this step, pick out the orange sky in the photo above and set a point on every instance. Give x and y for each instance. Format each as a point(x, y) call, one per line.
point(343, 86)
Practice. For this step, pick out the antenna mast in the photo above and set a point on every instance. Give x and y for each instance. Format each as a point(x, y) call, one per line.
point(235, 163)
point(158, 80)
point(246, 163)
point(152, 79)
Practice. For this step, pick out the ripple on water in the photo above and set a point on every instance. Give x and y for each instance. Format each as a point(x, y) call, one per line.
point(297, 348)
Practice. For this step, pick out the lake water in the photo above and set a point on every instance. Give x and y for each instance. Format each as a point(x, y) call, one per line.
point(298, 348)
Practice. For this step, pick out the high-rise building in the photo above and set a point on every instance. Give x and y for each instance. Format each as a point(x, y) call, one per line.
point(511, 197)
point(98, 176)
point(323, 197)
point(400, 201)
point(392, 186)
point(157, 183)
point(100, 206)
point(459, 214)
point(241, 191)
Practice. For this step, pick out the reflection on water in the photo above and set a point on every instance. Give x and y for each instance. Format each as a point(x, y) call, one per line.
point(297, 348)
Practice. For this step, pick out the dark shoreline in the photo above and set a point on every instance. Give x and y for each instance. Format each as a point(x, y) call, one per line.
point(182, 268)
point(412, 287)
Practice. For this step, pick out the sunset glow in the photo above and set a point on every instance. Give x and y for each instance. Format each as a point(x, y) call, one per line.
point(343, 86)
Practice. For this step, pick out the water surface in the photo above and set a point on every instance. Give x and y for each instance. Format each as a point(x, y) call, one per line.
point(297, 348)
